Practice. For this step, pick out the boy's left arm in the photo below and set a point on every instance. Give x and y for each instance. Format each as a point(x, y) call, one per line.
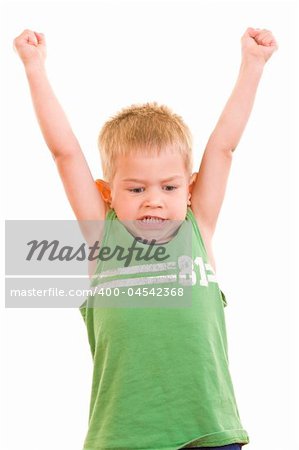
point(208, 189)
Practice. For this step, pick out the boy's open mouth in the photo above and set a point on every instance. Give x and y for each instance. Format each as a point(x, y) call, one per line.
point(151, 221)
point(151, 218)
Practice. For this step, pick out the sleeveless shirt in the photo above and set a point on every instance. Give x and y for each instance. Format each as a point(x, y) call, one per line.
point(161, 378)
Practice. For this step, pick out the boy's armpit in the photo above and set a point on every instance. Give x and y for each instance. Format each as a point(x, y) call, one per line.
point(92, 231)
point(207, 239)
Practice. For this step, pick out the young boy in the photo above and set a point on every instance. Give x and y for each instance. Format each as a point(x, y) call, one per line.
point(161, 378)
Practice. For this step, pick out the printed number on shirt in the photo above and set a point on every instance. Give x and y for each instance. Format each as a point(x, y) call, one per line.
point(187, 274)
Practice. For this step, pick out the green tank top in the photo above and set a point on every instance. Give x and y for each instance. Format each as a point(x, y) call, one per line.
point(161, 377)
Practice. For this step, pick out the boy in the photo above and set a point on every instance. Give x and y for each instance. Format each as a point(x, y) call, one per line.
point(161, 378)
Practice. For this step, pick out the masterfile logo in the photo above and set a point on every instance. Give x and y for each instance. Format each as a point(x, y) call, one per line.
point(49, 264)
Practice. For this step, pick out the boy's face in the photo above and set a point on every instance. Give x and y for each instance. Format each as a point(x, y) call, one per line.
point(151, 186)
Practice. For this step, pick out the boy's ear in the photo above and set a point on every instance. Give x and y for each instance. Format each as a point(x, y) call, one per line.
point(191, 185)
point(192, 181)
point(104, 189)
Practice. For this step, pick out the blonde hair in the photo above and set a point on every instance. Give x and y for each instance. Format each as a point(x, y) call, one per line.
point(143, 129)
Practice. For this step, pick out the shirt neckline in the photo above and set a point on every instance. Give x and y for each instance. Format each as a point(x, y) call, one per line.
point(113, 216)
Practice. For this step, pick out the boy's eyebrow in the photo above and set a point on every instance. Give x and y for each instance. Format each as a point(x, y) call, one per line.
point(143, 181)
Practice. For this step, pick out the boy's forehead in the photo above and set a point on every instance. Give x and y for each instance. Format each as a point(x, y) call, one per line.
point(136, 165)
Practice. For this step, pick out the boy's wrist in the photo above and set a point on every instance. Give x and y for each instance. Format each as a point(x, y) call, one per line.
point(253, 63)
point(34, 66)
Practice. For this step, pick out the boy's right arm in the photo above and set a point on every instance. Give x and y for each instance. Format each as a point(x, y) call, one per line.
point(81, 190)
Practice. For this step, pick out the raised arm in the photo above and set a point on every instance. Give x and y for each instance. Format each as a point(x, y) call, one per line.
point(210, 184)
point(80, 188)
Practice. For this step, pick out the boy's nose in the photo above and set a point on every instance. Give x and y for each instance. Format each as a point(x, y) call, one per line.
point(153, 199)
point(154, 203)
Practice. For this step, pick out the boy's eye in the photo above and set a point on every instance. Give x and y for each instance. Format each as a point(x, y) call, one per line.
point(137, 190)
point(172, 188)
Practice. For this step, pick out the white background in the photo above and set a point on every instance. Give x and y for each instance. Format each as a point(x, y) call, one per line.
point(103, 56)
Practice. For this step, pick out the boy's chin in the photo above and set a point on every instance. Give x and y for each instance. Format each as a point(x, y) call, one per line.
point(158, 232)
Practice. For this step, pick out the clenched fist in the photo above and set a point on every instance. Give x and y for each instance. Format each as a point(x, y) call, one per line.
point(31, 47)
point(259, 44)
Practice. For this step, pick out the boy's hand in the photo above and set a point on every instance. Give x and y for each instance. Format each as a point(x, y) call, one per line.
point(31, 47)
point(258, 44)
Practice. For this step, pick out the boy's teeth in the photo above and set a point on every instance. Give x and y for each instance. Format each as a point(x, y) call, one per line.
point(151, 220)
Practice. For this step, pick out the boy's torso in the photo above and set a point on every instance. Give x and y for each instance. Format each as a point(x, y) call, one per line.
point(169, 365)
